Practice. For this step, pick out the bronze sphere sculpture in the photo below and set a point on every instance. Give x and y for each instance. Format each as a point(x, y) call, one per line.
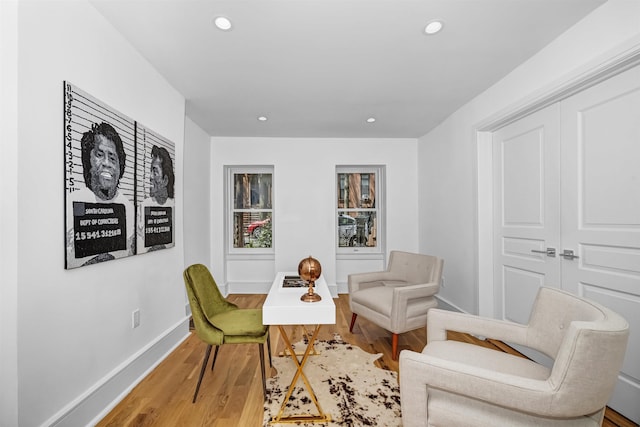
point(310, 270)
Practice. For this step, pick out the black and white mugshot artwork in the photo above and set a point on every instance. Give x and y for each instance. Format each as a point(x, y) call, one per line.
point(156, 192)
point(99, 180)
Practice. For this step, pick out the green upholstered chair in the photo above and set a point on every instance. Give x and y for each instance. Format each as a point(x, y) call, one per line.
point(217, 321)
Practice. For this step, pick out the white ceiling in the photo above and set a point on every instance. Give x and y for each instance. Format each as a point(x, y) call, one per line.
point(320, 68)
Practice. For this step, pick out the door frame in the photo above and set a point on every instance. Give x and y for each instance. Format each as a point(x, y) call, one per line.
point(616, 61)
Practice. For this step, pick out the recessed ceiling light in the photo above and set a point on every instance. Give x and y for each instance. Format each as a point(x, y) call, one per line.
point(433, 27)
point(371, 119)
point(262, 118)
point(222, 23)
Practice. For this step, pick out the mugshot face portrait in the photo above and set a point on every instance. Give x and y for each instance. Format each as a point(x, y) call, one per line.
point(155, 213)
point(158, 180)
point(105, 168)
point(100, 219)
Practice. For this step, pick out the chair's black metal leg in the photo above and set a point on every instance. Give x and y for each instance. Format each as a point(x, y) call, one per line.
point(269, 349)
point(204, 365)
point(264, 378)
point(215, 356)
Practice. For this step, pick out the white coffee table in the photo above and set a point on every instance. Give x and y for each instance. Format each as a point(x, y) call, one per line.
point(283, 306)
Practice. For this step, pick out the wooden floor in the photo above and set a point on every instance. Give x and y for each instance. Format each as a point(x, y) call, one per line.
point(231, 395)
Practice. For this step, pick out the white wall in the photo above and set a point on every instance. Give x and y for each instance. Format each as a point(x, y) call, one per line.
point(197, 178)
point(304, 202)
point(8, 214)
point(448, 156)
point(76, 348)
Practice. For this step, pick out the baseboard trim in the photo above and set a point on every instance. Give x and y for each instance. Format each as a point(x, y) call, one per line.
point(246, 287)
point(90, 407)
point(448, 305)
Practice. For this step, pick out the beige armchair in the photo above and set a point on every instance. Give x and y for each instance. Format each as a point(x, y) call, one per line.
point(397, 299)
point(458, 384)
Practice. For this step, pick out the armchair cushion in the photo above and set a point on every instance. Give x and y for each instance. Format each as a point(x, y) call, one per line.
point(485, 361)
point(376, 298)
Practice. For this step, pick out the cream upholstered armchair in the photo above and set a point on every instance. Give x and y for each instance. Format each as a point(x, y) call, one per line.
point(397, 299)
point(459, 384)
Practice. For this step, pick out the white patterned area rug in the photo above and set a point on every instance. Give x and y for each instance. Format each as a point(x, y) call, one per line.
point(348, 386)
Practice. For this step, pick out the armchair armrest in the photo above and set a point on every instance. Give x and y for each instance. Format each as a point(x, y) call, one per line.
point(440, 321)
point(418, 290)
point(358, 281)
point(402, 296)
point(420, 371)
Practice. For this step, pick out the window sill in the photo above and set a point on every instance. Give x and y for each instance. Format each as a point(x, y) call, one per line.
point(360, 255)
point(244, 256)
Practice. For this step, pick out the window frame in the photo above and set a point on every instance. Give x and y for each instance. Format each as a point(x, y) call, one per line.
point(230, 210)
point(347, 252)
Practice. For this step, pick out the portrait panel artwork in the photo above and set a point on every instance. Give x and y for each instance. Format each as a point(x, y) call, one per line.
point(155, 191)
point(114, 181)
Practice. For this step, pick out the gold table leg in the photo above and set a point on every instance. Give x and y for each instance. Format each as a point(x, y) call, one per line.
point(321, 417)
point(307, 335)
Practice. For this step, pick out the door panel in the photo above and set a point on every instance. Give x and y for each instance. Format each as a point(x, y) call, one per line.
point(625, 396)
point(568, 177)
point(601, 210)
point(521, 287)
point(526, 203)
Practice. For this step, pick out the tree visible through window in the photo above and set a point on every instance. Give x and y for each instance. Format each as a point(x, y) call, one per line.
point(252, 208)
point(357, 207)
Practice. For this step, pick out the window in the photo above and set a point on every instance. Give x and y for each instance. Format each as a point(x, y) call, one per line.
point(251, 209)
point(358, 209)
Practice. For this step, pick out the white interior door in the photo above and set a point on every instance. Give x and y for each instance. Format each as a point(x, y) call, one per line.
point(526, 156)
point(601, 210)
